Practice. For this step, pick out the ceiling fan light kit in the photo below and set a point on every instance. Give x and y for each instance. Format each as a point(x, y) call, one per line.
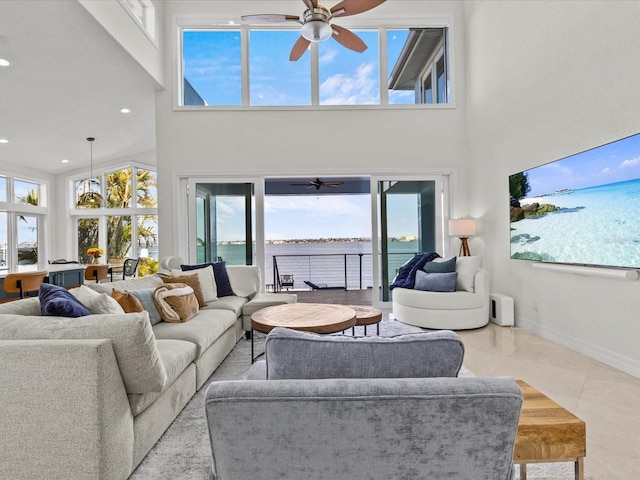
point(316, 24)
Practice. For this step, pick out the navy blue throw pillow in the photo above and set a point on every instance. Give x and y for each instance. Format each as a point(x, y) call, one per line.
point(57, 301)
point(223, 285)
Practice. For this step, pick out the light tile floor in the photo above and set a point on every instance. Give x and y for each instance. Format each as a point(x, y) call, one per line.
point(607, 399)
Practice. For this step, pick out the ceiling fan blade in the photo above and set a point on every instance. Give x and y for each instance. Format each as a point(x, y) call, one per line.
point(270, 17)
point(348, 39)
point(332, 184)
point(299, 48)
point(310, 3)
point(353, 7)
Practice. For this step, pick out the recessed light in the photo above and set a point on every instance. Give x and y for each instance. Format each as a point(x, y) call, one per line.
point(125, 110)
point(64, 160)
point(4, 62)
point(4, 140)
point(231, 22)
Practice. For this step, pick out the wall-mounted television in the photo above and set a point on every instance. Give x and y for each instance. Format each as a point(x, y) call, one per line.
point(582, 210)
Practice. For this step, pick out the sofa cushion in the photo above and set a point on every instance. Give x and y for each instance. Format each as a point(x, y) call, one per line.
point(149, 281)
point(57, 301)
point(176, 355)
point(95, 302)
point(26, 306)
point(436, 282)
point(291, 354)
point(467, 268)
point(223, 285)
point(245, 280)
point(131, 335)
point(202, 330)
point(264, 300)
point(233, 304)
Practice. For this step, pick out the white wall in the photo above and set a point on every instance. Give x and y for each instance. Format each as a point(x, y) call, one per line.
point(311, 142)
point(545, 80)
point(127, 32)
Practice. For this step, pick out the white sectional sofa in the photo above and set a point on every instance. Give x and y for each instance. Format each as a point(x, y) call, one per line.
point(87, 398)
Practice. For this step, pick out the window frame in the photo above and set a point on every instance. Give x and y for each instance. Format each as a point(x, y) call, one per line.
point(207, 22)
point(13, 211)
point(103, 212)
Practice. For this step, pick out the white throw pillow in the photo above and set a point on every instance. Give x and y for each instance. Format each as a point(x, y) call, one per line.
point(207, 281)
point(96, 303)
point(466, 267)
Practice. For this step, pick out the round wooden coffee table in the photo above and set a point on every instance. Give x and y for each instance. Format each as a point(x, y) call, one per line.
point(308, 317)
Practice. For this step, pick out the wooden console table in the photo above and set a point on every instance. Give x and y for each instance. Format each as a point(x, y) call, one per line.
point(548, 433)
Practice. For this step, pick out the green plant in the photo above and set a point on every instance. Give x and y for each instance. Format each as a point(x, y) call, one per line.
point(519, 185)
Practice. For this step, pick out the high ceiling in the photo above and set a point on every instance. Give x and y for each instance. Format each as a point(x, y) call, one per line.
point(68, 81)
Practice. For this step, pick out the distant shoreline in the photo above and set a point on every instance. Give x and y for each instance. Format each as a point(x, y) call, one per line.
point(320, 240)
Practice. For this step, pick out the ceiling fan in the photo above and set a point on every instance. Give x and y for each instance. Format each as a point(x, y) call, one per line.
point(317, 183)
point(316, 24)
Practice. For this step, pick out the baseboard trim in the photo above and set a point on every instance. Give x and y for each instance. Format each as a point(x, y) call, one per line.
point(596, 352)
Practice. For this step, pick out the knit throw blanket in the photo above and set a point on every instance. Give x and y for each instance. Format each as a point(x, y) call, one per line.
point(406, 277)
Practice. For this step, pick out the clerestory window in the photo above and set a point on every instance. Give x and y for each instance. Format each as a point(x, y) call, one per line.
point(249, 67)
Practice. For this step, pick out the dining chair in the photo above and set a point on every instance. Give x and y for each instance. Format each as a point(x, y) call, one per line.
point(96, 272)
point(24, 282)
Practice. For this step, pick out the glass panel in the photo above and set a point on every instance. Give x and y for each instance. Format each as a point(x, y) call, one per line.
point(3, 189)
point(88, 230)
point(25, 193)
point(212, 67)
point(224, 223)
point(4, 259)
point(427, 90)
point(442, 81)
point(395, 42)
point(119, 236)
point(147, 186)
point(119, 189)
point(27, 229)
point(407, 225)
point(274, 79)
point(88, 193)
point(147, 245)
point(348, 77)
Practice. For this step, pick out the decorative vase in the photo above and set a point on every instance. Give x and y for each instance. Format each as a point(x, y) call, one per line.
point(94, 260)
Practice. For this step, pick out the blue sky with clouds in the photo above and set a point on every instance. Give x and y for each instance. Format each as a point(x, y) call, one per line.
point(614, 162)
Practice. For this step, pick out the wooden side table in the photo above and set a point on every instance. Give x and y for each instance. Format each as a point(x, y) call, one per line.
point(548, 433)
point(366, 316)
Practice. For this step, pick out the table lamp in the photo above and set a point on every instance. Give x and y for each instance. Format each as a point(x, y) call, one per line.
point(463, 228)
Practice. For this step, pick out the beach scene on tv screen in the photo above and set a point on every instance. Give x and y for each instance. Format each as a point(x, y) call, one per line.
point(583, 209)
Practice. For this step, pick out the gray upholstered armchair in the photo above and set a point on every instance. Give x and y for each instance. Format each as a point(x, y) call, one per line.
point(361, 428)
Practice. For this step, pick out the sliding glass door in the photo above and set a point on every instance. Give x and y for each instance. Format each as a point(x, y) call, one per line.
point(410, 214)
point(222, 226)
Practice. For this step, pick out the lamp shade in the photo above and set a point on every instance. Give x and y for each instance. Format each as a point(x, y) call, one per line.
point(462, 227)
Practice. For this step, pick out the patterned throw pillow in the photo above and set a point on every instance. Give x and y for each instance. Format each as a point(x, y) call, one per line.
point(193, 281)
point(176, 302)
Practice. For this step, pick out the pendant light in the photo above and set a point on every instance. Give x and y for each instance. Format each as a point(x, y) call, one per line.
point(93, 198)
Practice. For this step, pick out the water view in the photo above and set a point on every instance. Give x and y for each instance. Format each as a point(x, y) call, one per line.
point(322, 262)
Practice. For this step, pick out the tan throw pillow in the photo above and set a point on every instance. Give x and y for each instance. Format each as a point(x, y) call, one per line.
point(128, 302)
point(193, 281)
point(207, 281)
point(176, 302)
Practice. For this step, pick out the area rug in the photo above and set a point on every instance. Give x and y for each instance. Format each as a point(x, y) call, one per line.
point(182, 453)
